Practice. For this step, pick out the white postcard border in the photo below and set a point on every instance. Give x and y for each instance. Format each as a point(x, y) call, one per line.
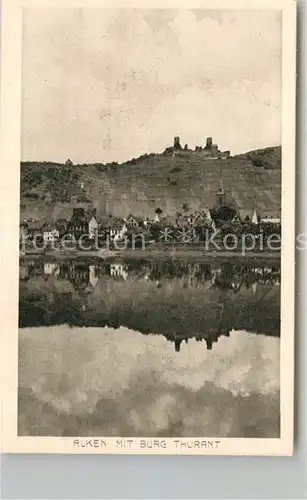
point(11, 51)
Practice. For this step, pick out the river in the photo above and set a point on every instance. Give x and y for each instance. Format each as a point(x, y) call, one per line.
point(148, 348)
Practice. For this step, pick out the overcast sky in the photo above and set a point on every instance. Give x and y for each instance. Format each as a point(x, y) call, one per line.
point(104, 85)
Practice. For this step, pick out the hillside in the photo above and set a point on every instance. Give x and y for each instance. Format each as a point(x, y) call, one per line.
point(141, 185)
point(268, 157)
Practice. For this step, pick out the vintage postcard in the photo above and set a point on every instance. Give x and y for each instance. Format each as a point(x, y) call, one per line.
point(148, 159)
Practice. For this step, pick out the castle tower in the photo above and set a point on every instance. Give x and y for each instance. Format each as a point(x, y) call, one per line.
point(214, 150)
point(177, 144)
point(209, 343)
point(208, 143)
point(177, 344)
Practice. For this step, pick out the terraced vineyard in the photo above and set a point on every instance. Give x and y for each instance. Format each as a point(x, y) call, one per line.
point(188, 182)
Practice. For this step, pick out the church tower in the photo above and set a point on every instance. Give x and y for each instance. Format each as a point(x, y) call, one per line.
point(221, 195)
point(254, 217)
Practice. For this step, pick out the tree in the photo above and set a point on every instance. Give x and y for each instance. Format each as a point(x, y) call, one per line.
point(257, 161)
point(155, 232)
point(224, 213)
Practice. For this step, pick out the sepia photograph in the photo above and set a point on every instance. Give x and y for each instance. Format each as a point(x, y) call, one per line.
point(152, 225)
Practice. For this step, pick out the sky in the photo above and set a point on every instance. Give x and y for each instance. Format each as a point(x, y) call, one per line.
point(110, 85)
point(106, 382)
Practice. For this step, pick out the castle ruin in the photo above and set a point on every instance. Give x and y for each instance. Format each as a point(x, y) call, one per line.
point(209, 151)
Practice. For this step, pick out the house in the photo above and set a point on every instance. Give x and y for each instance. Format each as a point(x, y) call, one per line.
point(23, 232)
point(93, 278)
point(236, 284)
point(78, 274)
point(116, 232)
point(51, 268)
point(112, 226)
point(116, 229)
point(215, 274)
point(35, 268)
point(236, 219)
point(92, 227)
point(254, 217)
point(124, 229)
point(23, 272)
point(270, 219)
point(197, 218)
point(119, 233)
point(207, 214)
point(50, 233)
point(246, 215)
point(78, 224)
point(202, 218)
point(257, 270)
point(133, 222)
point(118, 270)
point(83, 223)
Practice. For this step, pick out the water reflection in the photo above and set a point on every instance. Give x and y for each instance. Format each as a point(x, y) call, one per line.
point(147, 348)
point(104, 382)
point(84, 272)
point(177, 299)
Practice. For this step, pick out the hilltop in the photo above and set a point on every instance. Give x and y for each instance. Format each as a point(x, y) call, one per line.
point(142, 184)
point(267, 157)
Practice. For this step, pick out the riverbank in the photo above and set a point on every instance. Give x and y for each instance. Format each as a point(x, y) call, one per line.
point(160, 254)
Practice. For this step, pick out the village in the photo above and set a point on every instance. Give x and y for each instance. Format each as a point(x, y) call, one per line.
point(183, 228)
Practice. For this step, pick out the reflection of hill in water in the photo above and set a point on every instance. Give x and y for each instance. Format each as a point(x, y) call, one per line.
point(177, 299)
